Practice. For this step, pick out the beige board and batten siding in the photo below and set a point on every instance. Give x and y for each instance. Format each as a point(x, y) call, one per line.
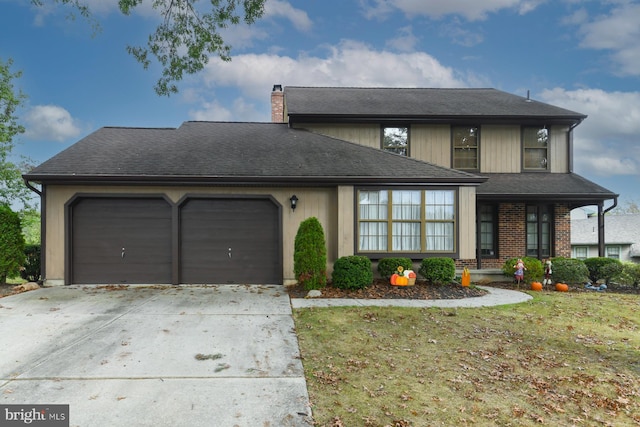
point(321, 203)
point(467, 222)
point(431, 143)
point(362, 134)
point(559, 149)
point(500, 149)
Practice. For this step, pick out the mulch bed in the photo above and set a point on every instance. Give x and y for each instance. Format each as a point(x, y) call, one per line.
point(381, 289)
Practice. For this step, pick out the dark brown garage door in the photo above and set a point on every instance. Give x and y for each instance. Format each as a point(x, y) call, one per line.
point(230, 240)
point(120, 240)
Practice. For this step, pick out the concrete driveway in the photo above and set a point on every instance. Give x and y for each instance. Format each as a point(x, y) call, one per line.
point(155, 356)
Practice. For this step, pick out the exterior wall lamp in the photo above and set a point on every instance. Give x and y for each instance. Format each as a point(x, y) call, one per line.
point(294, 202)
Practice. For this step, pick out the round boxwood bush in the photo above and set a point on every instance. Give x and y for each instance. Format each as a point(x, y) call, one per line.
point(310, 255)
point(597, 270)
point(534, 271)
point(352, 272)
point(438, 271)
point(569, 270)
point(389, 266)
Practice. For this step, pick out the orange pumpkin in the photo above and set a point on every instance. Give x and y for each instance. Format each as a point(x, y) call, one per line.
point(412, 275)
point(394, 278)
point(402, 281)
point(536, 286)
point(562, 287)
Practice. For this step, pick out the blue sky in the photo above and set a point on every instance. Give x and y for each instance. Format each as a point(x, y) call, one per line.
point(579, 54)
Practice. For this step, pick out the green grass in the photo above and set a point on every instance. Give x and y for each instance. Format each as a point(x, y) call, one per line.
point(560, 359)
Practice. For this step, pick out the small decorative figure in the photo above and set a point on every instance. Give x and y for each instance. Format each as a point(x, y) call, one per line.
point(547, 273)
point(520, 268)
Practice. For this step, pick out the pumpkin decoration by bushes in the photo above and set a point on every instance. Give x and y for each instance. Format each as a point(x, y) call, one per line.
point(562, 287)
point(403, 277)
point(536, 286)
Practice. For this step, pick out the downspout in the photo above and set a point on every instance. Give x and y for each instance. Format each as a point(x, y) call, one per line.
point(570, 144)
point(31, 187)
point(43, 228)
point(601, 215)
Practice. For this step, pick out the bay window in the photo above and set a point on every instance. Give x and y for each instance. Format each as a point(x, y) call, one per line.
point(406, 221)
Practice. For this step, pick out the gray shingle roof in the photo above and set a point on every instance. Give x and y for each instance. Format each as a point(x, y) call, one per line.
point(618, 229)
point(412, 102)
point(556, 186)
point(233, 152)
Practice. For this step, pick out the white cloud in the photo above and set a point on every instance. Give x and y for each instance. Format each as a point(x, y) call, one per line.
point(606, 143)
point(213, 111)
point(255, 74)
point(298, 17)
point(405, 42)
point(50, 122)
point(472, 10)
point(617, 32)
point(341, 67)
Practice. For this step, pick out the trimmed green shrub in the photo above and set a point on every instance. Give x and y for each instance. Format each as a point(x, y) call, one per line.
point(596, 266)
point(11, 243)
point(438, 271)
point(569, 270)
point(388, 266)
point(352, 272)
point(310, 255)
point(31, 271)
point(611, 270)
point(534, 271)
point(630, 274)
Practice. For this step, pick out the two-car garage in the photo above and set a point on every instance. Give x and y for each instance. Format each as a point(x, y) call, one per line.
point(150, 240)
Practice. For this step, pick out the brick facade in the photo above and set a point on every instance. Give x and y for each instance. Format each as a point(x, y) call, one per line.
point(512, 235)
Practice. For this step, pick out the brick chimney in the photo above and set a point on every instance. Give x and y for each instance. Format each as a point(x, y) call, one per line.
point(277, 104)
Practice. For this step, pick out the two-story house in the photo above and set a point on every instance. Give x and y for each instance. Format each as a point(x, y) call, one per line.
point(478, 175)
point(524, 148)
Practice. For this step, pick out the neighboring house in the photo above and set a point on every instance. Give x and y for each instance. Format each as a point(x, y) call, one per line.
point(478, 175)
point(621, 241)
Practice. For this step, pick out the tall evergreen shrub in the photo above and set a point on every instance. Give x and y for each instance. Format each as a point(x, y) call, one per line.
point(310, 255)
point(11, 243)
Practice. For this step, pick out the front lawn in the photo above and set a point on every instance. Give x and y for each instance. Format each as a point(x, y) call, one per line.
point(560, 359)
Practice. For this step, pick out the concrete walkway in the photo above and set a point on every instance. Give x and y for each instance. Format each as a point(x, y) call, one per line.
point(496, 296)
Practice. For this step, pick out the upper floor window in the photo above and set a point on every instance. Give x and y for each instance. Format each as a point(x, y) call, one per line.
point(465, 147)
point(405, 221)
point(396, 140)
point(535, 141)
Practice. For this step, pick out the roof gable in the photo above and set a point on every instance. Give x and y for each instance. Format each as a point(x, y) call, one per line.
point(484, 103)
point(233, 151)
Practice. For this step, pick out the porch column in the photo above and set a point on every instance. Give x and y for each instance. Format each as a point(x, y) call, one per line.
point(600, 230)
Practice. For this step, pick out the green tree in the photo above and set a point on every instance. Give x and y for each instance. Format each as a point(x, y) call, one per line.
point(186, 35)
point(12, 188)
point(310, 255)
point(11, 244)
